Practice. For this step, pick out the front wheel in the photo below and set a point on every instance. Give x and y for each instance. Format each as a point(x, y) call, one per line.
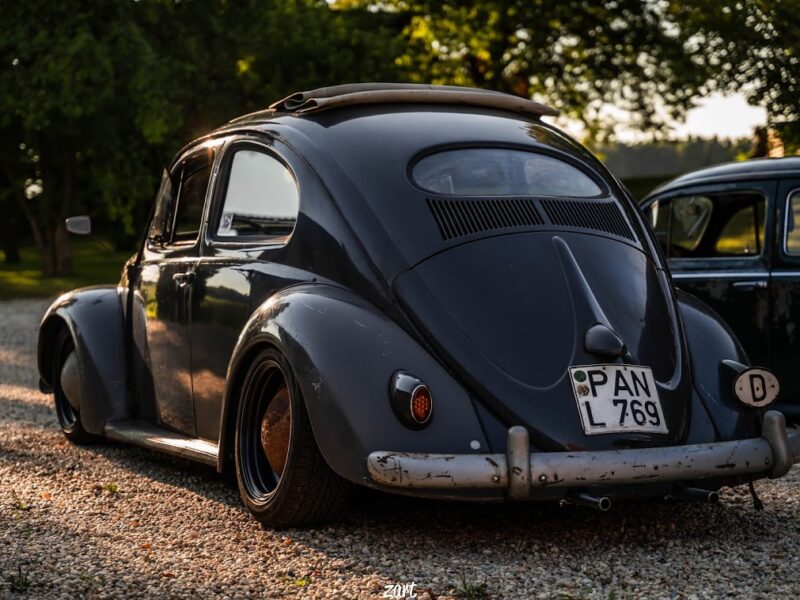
point(282, 477)
point(67, 390)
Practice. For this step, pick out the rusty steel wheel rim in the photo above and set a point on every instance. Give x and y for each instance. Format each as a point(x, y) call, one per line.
point(266, 431)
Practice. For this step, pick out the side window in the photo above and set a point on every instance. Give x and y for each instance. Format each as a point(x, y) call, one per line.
point(793, 223)
point(710, 225)
point(261, 198)
point(191, 198)
point(159, 231)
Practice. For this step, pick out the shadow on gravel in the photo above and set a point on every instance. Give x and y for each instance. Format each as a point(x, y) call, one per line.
point(163, 468)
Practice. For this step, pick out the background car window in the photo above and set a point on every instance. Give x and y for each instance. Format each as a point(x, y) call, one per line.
point(689, 221)
point(191, 198)
point(261, 198)
point(711, 225)
point(793, 223)
point(501, 172)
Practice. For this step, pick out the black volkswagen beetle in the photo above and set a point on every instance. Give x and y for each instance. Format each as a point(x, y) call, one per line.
point(420, 289)
point(731, 235)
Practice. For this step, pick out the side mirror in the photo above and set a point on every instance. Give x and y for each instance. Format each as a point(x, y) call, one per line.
point(81, 225)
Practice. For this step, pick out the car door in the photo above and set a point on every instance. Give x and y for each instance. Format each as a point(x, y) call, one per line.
point(162, 290)
point(251, 219)
point(717, 239)
point(786, 296)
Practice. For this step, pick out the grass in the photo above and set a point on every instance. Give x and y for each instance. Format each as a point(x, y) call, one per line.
point(94, 263)
point(19, 582)
point(471, 591)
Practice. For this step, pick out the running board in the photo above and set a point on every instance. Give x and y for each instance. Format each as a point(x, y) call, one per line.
point(162, 440)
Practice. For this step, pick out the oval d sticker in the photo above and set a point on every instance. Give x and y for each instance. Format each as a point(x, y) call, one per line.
point(756, 387)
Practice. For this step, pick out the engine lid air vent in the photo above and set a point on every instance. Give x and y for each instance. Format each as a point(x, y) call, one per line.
point(596, 215)
point(458, 217)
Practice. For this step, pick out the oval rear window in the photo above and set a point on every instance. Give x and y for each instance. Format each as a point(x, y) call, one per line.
point(501, 172)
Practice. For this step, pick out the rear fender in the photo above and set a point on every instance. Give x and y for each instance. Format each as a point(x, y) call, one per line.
point(710, 342)
point(94, 318)
point(344, 352)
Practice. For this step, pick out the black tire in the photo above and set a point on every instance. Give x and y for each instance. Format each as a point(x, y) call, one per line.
point(303, 490)
point(69, 417)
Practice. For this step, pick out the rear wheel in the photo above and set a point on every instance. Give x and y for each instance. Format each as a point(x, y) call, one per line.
point(67, 390)
point(282, 477)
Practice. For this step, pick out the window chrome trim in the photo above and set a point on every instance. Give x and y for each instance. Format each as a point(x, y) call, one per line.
point(785, 244)
point(214, 212)
point(722, 274)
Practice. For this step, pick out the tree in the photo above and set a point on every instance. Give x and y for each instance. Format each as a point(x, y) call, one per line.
point(650, 58)
point(95, 97)
point(572, 54)
point(752, 47)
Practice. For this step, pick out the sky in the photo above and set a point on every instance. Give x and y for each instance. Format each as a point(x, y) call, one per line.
point(717, 115)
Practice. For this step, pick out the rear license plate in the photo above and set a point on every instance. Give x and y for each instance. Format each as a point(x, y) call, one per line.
point(617, 398)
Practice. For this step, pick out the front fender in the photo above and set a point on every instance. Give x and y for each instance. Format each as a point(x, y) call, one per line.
point(710, 342)
point(344, 353)
point(94, 317)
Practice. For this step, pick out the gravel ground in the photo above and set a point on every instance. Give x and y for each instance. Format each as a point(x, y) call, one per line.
point(114, 521)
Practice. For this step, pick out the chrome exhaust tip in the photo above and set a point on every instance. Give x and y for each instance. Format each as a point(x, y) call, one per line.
point(601, 503)
point(710, 496)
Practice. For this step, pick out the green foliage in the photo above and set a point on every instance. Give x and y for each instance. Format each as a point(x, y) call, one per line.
point(20, 581)
point(751, 47)
point(95, 97)
point(574, 55)
point(94, 264)
point(471, 591)
point(651, 58)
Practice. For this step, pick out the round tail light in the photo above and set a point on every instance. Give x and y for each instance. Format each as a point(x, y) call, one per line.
point(411, 400)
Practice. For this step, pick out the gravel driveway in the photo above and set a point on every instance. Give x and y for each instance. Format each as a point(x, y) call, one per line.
point(113, 521)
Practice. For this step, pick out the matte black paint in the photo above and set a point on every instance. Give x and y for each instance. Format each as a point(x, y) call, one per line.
point(366, 285)
point(94, 318)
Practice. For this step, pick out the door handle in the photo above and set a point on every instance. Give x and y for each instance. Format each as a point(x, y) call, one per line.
point(183, 279)
point(744, 286)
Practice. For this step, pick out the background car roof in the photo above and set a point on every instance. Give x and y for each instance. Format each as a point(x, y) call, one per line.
point(758, 168)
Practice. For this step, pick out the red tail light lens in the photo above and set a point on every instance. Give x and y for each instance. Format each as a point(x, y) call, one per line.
point(421, 404)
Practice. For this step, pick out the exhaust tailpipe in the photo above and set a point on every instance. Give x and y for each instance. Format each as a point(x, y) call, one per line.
point(602, 503)
point(709, 496)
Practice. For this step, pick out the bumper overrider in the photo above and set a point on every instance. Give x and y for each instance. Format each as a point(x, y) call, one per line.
point(521, 473)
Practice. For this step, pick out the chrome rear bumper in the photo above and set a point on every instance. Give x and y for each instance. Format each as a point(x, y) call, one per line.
point(520, 472)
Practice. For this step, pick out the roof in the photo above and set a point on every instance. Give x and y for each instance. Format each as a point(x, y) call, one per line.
point(327, 98)
point(758, 168)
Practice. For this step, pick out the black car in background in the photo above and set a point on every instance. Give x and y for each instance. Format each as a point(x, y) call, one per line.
point(731, 234)
point(421, 289)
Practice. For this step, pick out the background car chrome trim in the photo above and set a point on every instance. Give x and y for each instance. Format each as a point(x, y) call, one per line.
point(750, 285)
point(721, 274)
point(784, 245)
point(774, 454)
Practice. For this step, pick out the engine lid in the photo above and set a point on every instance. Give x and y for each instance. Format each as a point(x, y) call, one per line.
point(513, 313)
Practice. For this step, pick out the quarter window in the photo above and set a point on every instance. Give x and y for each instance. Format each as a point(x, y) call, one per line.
point(261, 198)
point(191, 199)
point(501, 172)
point(710, 225)
point(793, 223)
